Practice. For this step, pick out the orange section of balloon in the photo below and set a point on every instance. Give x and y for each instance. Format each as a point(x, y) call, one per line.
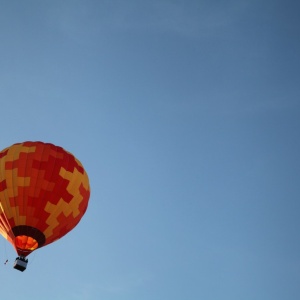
point(44, 192)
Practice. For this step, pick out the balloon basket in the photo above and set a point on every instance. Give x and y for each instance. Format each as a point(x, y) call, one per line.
point(20, 263)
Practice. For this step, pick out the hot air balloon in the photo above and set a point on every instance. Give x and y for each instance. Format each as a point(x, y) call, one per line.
point(44, 192)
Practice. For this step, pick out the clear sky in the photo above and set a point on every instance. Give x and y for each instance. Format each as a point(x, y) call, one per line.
point(185, 115)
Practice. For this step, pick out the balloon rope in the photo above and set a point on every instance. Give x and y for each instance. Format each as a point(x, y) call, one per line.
point(5, 252)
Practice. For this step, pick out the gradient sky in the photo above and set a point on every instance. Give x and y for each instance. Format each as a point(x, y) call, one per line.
point(185, 115)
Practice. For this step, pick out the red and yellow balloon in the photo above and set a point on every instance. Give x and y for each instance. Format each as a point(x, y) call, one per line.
point(44, 192)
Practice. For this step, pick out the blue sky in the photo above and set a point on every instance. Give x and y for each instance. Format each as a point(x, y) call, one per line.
point(185, 115)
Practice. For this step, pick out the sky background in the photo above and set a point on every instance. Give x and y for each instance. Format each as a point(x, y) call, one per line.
point(185, 115)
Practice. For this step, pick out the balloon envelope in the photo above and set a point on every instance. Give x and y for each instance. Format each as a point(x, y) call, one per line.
point(44, 192)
